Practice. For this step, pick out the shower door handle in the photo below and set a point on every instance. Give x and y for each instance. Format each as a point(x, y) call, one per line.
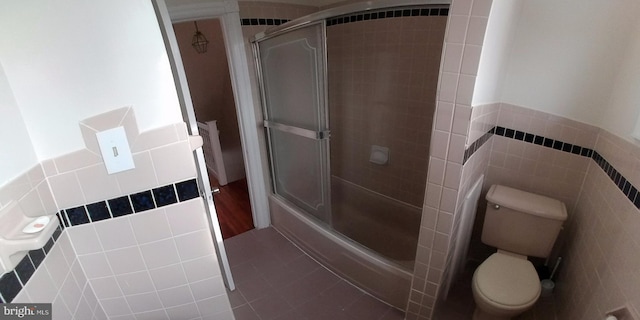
point(316, 135)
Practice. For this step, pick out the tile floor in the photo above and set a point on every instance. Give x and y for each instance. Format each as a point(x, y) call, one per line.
point(275, 280)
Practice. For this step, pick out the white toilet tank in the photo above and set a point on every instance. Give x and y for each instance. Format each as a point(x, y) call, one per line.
point(522, 222)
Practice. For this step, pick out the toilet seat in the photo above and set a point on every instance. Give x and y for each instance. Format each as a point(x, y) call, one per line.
point(507, 281)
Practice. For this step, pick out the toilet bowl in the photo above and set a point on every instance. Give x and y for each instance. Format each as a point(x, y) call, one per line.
point(504, 285)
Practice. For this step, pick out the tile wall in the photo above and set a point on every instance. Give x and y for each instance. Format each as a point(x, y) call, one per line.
point(595, 173)
point(30, 191)
point(60, 279)
point(540, 159)
point(121, 229)
point(383, 68)
point(157, 264)
point(446, 184)
point(53, 273)
point(533, 165)
point(476, 160)
point(600, 271)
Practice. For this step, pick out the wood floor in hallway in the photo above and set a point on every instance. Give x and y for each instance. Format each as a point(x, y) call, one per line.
point(233, 207)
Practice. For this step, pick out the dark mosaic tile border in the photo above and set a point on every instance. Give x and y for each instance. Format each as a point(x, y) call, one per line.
point(630, 191)
point(262, 22)
point(360, 16)
point(386, 14)
point(12, 282)
point(129, 204)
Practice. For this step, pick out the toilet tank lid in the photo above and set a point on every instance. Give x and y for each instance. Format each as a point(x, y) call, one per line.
point(527, 202)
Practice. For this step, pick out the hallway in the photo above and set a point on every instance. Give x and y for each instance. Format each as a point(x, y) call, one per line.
point(233, 207)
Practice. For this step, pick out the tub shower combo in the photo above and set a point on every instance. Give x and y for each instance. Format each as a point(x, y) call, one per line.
point(349, 96)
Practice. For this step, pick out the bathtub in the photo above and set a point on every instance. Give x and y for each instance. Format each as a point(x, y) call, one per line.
point(355, 210)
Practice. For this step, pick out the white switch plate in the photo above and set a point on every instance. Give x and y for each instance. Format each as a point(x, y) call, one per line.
point(115, 150)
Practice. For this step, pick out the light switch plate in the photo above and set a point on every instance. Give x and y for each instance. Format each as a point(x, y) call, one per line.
point(115, 150)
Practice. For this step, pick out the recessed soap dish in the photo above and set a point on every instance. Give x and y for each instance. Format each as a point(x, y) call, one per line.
point(36, 225)
point(20, 234)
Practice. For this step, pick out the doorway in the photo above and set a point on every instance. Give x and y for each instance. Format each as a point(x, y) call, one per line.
point(207, 72)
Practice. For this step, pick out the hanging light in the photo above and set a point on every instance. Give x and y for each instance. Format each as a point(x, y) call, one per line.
point(199, 42)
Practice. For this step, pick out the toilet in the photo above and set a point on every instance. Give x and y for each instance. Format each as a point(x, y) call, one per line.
point(519, 224)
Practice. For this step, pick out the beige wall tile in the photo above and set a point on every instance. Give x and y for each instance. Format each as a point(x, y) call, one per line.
point(195, 245)
point(75, 160)
point(90, 139)
point(115, 307)
point(444, 116)
point(452, 57)
point(125, 260)
point(168, 277)
point(49, 168)
point(107, 120)
point(198, 269)
point(106, 288)
point(464, 94)
point(143, 177)
point(187, 217)
point(461, 119)
point(85, 239)
point(31, 204)
point(36, 175)
point(66, 190)
point(48, 203)
point(160, 253)
point(461, 8)
point(173, 163)
point(151, 225)
point(97, 184)
point(457, 28)
point(155, 138)
point(108, 229)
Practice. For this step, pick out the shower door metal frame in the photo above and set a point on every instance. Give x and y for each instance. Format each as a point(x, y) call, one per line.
point(310, 134)
point(342, 10)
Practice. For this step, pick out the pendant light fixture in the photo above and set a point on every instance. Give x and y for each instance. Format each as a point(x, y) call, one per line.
point(199, 42)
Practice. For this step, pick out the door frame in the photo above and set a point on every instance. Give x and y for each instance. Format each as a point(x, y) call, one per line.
point(227, 12)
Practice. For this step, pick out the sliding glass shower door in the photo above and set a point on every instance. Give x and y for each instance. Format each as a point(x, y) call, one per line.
point(292, 69)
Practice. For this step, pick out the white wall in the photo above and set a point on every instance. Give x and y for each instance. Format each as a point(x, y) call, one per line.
point(564, 57)
point(69, 60)
point(624, 105)
point(501, 29)
point(16, 150)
